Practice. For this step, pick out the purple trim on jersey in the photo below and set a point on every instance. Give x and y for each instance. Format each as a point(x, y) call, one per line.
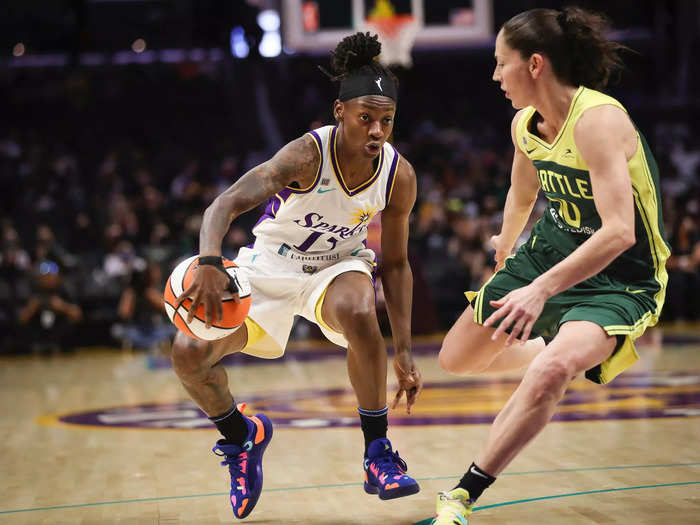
point(273, 205)
point(392, 174)
point(284, 194)
point(336, 169)
point(319, 144)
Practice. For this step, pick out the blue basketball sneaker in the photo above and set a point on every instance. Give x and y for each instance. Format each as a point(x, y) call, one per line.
point(385, 472)
point(245, 464)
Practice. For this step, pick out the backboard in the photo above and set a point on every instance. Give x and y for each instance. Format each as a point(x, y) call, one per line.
point(316, 26)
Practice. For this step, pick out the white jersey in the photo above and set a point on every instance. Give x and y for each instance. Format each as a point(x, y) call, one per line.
point(327, 220)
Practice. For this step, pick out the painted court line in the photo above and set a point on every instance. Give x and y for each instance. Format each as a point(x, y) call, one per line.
point(570, 494)
point(424, 522)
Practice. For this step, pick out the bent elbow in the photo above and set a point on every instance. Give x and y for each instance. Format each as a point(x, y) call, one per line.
point(209, 210)
point(626, 239)
point(214, 208)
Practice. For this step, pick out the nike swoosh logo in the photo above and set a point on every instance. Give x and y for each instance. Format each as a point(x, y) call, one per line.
point(325, 191)
point(531, 150)
point(477, 473)
point(634, 291)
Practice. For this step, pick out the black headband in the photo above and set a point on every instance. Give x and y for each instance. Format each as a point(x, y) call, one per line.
point(366, 81)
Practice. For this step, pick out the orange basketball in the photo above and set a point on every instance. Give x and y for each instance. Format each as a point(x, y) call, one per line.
point(234, 313)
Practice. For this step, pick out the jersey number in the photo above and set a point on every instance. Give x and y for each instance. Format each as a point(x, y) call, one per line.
point(304, 246)
point(569, 212)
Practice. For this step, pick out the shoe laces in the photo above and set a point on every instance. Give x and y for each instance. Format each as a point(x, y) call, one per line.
point(390, 463)
point(234, 462)
point(457, 506)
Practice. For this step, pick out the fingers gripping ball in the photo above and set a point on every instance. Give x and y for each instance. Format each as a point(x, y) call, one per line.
point(233, 313)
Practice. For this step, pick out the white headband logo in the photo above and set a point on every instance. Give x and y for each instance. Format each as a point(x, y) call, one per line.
point(379, 84)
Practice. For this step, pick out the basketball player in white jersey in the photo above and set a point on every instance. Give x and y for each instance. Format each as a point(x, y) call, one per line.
point(309, 258)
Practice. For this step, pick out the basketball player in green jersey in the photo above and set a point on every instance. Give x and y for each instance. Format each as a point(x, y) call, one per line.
point(592, 274)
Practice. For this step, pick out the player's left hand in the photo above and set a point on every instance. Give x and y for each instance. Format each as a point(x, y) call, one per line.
point(519, 309)
point(410, 380)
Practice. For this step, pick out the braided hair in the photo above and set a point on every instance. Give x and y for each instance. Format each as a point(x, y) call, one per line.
point(355, 52)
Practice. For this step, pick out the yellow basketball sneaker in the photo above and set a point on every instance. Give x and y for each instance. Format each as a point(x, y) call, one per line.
point(453, 507)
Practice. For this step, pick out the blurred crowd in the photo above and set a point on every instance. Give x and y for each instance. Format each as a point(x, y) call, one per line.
point(105, 179)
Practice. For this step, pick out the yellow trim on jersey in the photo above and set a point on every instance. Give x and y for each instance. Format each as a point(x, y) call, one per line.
point(562, 130)
point(535, 148)
point(255, 332)
point(621, 360)
point(282, 203)
point(633, 330)
point(657, 245)
point(470, 295)
point(335, 165)
point(521, 129)
point(318, 170)
point(658, 259)
point(319, 307)
point(393, 178)
point(478, 307)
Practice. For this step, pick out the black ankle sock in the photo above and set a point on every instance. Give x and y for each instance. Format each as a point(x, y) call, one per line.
point(374, 424)
point(475, 481)
point(232, 426)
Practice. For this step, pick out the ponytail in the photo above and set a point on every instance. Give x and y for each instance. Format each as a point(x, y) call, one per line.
point(574, 40)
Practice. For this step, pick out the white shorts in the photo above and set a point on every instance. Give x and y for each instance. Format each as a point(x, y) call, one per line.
point(282, 288)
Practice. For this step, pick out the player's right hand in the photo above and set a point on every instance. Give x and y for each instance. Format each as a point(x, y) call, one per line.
point(206, 288)
point(502, 251)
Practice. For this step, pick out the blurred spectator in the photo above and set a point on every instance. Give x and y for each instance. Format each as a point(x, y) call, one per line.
point(121, 262)
point(15, 285)
point(141, 314)
point(47, 248)
point(683, 296)
point(49, 316)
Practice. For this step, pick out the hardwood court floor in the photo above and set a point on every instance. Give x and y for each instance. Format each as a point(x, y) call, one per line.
point(132, 450)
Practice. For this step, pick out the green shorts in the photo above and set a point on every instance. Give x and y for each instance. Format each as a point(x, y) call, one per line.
point(620, 309)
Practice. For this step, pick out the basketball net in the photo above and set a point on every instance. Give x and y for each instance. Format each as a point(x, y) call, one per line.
point(397, 32)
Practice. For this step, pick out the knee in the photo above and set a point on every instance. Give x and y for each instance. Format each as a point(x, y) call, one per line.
point(356, 313)
point(446, 359)
point(454, 358)
point(552, 378)
point(187, 355)
point(453, 361)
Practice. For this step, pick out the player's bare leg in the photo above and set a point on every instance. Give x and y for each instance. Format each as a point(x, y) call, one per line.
point(197, 364)
point(578, 346)
point(348, 308)
point(469, 349)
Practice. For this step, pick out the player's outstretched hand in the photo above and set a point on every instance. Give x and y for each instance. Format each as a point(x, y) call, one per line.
point(519, 309)
point(206, 288)
point(410, 380)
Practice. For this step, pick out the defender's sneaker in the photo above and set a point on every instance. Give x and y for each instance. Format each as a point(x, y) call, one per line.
point(453, 507)
point(245, 464)
point(385, 472)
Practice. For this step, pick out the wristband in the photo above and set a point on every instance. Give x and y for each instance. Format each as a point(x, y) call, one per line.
point(211, 260)
point(218, 263)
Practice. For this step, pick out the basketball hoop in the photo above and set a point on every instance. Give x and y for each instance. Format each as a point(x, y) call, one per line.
point(397, 32)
